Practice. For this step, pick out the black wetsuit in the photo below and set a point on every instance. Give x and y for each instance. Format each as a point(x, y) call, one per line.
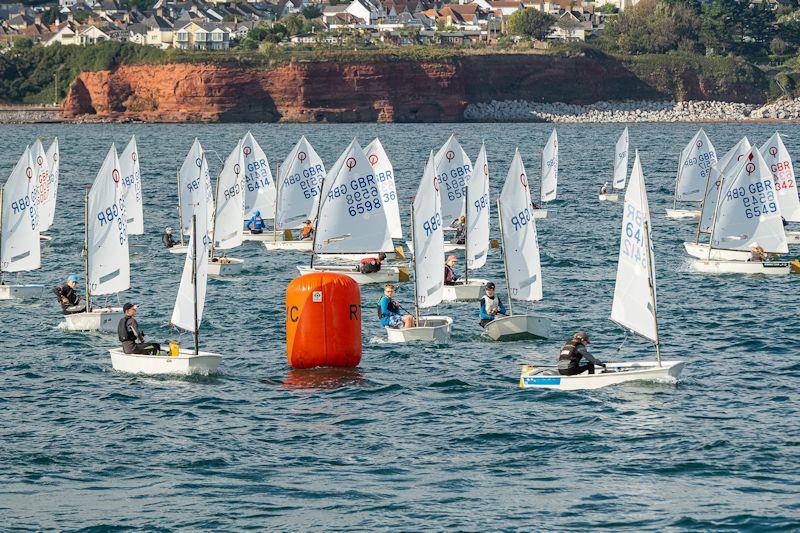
point(72, 305)
point(168, 240)
point(132, 338)
point(569, 360)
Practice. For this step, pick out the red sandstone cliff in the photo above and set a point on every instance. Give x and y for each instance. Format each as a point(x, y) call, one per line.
point(370, 91)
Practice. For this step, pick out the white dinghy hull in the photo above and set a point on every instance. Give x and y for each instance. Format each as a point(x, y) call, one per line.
point(547, 377)
point(699, 250)
point(179, 249)
point(608, 197)
point(267, 236)
point(431, 329)
point(386, 274)
point(767, 268)
point(291, 246)
point(472, 291)
point(448, 247)
point(679, 214)
point(20, 292)
point(231, 267)
point(185, 363)
point(105, 319)
point(793, 237)
point(519, 327)
point(539, 213)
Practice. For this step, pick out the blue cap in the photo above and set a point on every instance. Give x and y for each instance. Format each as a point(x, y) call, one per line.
point(257, 213)
point(73, 278)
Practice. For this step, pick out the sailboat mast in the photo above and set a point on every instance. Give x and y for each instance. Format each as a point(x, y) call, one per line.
point(466, 235)
point(651, 268)
point(714, 219)
point(414, 263)
point(316, 223)
point(702, 207)
point(677, 180)
point(277, 195)
point(180, 211)
point(86, 248)
point(194, 285)
point(214, 214)
point(1, 234)
point(505, 260)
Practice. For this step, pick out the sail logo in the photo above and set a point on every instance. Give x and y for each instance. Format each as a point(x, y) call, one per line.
point(773, 151)
point(133, 156)
point(198, 162)
point(39, 160)
point(115, 175)
point(699, 144)
point(436, 183)
point(301, 156)
point(373, 159)
point(55, 158)
point(237, 169)
point(523, 179)
point(450, 155)
point(29, 173)
point(246, 150)
point(350, 163)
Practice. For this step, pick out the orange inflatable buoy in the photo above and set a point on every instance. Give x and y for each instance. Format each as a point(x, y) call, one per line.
point(323, 321)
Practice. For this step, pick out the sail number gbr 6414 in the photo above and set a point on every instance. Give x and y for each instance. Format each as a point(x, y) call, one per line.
point(633, 236)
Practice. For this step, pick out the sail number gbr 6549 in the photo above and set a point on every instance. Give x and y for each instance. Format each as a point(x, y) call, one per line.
point(758, 199)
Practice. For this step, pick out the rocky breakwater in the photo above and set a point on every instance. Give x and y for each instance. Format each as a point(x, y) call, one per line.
point(629, 111)
point(30, 114)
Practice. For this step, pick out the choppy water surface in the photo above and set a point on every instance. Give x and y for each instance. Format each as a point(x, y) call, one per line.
point(416, 437)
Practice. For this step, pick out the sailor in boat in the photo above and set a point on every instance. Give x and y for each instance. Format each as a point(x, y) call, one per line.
point(131, 337)
point(308, 231)
point(389, 311)
point(167, 239)
point(450, 277)
point(604, 188)
point(68, 298)
point(573, 353)
point(757, 253)
point(533, 205)
point(368, 265)
point(460, 225)
point(491, 305)
point(255, 223)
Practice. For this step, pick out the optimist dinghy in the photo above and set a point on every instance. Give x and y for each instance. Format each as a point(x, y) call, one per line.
point(634, 306)
point(780, 164)
point(477, 214)
point(46, 166)
point(260, 193)
point(228, 213)
point(521, 260)
point(348, 226)
point(426, 229)
point(694, 169)
point(747, 215)
point(620, 168)
point(20, 248)
point(549, 175)
point(187, 315)
point(107, 259)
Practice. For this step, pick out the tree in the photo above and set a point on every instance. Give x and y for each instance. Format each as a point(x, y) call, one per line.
point(312, 11)
point(531, 23)
point(651, 27)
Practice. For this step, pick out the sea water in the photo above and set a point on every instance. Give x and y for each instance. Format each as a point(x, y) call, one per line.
point(416, 437)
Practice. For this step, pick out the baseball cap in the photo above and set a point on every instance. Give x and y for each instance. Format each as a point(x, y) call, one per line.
point(73, 278)
point(490, 285)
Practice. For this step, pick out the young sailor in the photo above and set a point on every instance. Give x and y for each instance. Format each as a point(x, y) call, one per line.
point(131, 337)
point(604, 188)
point(450, 277)
point(256, 224)
point(569, 360)
point(491, 306)
point(69, 299)
point(368, 265)
point(389, 311)
point(308, 231)
point(460, 225)
point(167, 239)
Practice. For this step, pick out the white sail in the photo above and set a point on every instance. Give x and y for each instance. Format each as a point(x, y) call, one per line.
point(300, 180)
point(550, 168)
point(724, 167)
point(195, 182)
point(41, 180)
point(478, 213)
point(428, 235)
point(132, 186)
point(697, 159)
point(780, 164)
point(106, 233)
point(228, 228)
point(259, 187)
point(748, 213)
point(520, 243)
point(621, 160)
point(634, 306)
point(19, 243)
point(197, 256)
point(454, 170)
point(352, 218)
point(47, 211)
point(384, 175)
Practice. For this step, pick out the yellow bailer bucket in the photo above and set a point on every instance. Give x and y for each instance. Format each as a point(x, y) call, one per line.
point(174, 349)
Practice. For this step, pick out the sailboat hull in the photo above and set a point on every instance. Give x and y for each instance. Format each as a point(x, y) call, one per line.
point(387, 274)
point(793, 237)
point(699, 250)
point(472, 291)
point(448, 246)
point(539, 213)
point(679, 214)
point(20, 292)
point(768, 268)
point(225, 267)
point(263, 237)
point(97, 320)
point(185, 363)
point(179, 249)
point(547, 377)
point(608, 197)
point(292, 246)
point(431, 329)
point(519, 327)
